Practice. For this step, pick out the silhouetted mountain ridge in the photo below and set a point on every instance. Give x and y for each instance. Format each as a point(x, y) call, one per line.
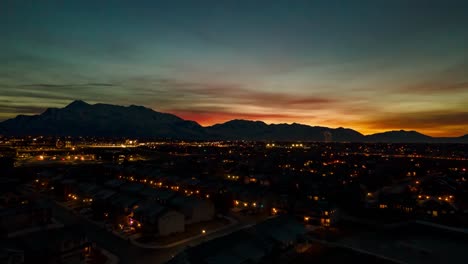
point(399, 136)
point(82, 119)
point(258, 130)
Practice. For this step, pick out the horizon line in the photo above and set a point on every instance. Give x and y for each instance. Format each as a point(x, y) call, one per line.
point(240, 119)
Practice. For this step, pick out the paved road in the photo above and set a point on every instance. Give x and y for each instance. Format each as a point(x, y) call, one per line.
point(127, 252)
point(410, 246)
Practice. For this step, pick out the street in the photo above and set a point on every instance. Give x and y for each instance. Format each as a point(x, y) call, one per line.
point(126, 251)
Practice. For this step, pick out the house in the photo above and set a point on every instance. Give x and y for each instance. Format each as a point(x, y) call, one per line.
point(251, 198)
point(68, 186)
point(260, 179)
point(194, 209)
point(162, 196)
point(132, 188)
point(8, 184)
point(283, 230)
point(318, 213)
point(11, 199)
point(11, 255)
point(155, 218)
point(17, 218)
point(435, 208)
point(101, 203)
point(239, 247)
point(103, 195)
point(63, 245)
point(123, 203)
point(397, 202)
point(211, 187)
point(114, 184)
point(248, 245)
point(87, 192)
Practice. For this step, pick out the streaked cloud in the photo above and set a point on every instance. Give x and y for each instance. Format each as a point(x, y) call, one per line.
point(370, 65)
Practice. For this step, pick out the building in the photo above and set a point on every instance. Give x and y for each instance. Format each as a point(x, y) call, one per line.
point(249, 245)
point(193, 208)
point(18, 218)
point(64, 245)
point(318, 213)
point(154, 218)
point(9, 255)
point(162, 196)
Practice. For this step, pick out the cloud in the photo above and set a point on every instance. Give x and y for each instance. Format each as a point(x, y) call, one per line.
point(237, 94)
point(21, 109)
point(52, 92)
point(436, 87)
point(67, 85)
point(453, 79)
point(9, 109)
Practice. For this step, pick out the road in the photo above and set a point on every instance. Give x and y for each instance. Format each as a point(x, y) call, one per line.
point(126, 251)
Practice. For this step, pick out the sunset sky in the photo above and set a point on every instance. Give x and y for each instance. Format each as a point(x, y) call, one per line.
point(368, 65)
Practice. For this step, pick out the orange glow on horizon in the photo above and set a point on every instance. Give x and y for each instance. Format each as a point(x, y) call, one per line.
point(209, 119)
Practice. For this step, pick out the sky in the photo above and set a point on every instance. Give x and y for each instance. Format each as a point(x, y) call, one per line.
point(368, 65)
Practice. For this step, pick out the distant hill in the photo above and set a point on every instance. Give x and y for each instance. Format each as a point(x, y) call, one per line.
point(82, 119)
point(257, 130)
point(399, 136)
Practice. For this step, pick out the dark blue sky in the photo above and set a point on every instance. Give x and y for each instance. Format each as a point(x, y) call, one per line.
point(370, 65)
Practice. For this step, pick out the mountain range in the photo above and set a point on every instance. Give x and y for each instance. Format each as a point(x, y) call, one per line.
point(82, 119)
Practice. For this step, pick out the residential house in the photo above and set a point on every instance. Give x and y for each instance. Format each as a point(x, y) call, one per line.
point(21, 217)
point(162, 196)
point(194, 209)
point(155, 218)
point(63, 245)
